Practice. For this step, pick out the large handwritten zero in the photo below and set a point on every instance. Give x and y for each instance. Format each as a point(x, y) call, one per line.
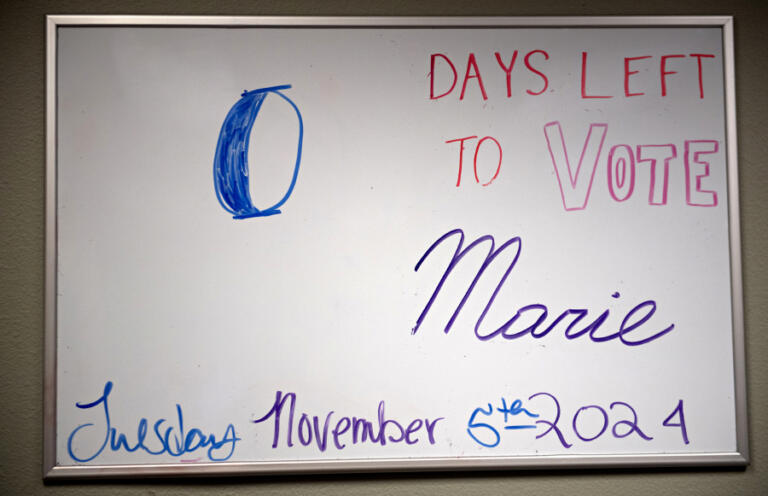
point(230, 165)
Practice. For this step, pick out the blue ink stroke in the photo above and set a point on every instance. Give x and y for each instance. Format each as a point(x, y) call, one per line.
point(230, 165)
point(185, 440)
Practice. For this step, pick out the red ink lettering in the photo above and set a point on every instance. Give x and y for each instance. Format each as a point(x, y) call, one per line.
point(665, 72)
point(498, 167)
point(507, 70)
point(628, 73)
point(472, 66)
point(584, 79)
point(461, 155)
point(538, 73)
point(432, 76)
point(699, 56)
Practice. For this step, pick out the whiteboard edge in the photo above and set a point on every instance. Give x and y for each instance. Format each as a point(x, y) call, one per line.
point(404, 465)
point(52, 471)
point(737, 299)
point(49, 339)
point(444, 21)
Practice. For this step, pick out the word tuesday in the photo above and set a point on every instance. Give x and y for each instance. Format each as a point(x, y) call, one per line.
point(344, 429)
point(172, 440)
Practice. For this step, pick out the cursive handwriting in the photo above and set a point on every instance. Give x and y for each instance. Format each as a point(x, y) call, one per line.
point(166, 441)
point(359, 429)
point(633, 319)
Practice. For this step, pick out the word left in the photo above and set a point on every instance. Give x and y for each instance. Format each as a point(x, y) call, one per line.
point(183, 442)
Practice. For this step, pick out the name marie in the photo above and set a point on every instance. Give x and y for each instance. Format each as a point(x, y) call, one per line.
point(342, 430)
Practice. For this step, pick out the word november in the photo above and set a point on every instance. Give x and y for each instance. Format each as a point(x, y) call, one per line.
point(354, 429)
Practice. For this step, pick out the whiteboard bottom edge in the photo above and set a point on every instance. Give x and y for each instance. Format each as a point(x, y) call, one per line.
point(542, 462)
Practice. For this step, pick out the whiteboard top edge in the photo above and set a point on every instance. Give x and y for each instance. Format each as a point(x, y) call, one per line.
point(357, 21)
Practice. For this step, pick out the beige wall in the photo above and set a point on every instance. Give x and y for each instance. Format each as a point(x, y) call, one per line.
point(22, 154)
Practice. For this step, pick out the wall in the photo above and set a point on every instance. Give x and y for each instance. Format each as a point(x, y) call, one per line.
point(22, 165)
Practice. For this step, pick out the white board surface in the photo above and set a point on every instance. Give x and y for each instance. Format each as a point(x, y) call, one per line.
point(603, 327)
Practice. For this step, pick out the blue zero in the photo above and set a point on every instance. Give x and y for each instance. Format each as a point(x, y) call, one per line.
point(230, 165)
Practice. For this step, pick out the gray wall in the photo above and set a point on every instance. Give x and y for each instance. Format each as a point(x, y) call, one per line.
point(22, 165)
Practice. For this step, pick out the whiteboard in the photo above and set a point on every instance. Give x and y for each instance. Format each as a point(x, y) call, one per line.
point(298, 245)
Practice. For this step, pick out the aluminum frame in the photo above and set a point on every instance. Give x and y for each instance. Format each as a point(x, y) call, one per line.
point(53, 471)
